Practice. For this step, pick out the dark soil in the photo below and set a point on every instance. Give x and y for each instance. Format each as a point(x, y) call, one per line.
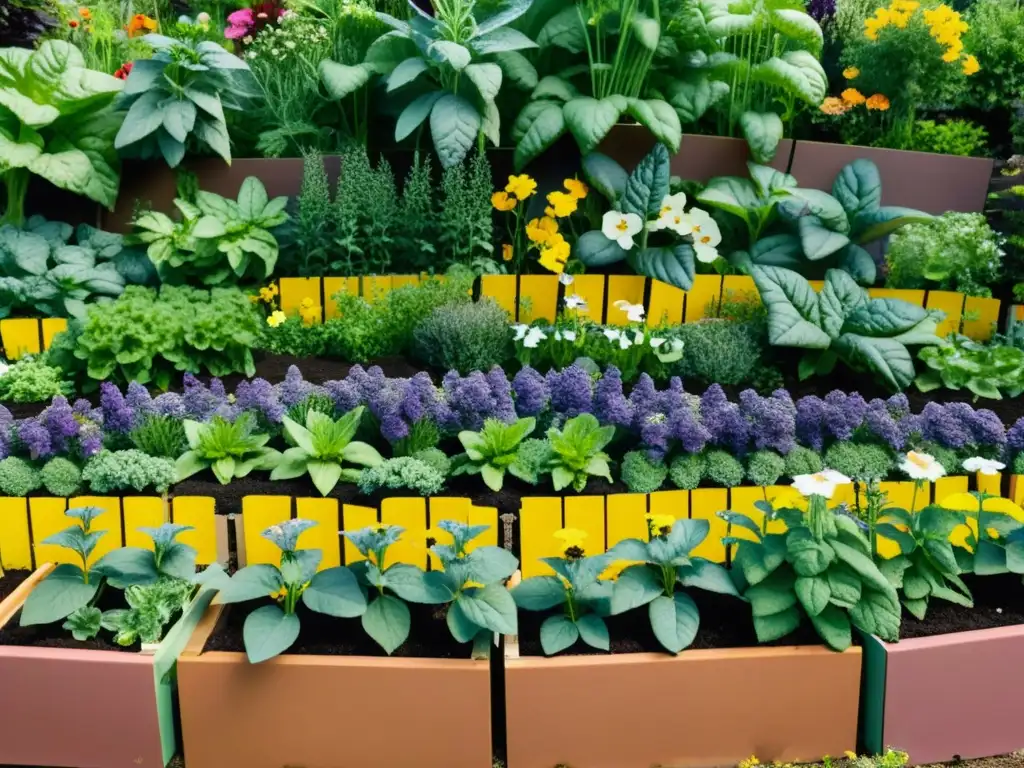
point(54, 636)
point(998, 602)
point(322, 635)
point(10, 582)
point(725, 622)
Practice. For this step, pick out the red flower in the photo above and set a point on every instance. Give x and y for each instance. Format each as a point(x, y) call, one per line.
point(124, 71)
point(72, 23)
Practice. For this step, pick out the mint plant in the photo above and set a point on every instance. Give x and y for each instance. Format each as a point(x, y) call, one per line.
point(228, 448)
point(493, 450)
point(271, 630)
point(577, 452)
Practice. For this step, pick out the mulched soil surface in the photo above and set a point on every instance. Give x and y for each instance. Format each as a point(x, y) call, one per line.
point(998, 602)
point(10, 582)
point(322, 635)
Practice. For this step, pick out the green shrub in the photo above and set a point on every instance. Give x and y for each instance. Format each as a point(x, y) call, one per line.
point(61, 477)
point(18, 477)
point(159, 435)
point(640, 474)
point(722, 468)
point(802, 461)
point(463, 337)
point(955, 251)
point(1018, 464)
point(436, 458)
point(321, 403)
point(721, 351)
point(765, 467)
point(131, 469)
point(686, 470)
point(534, 456)
point(953, 137)
point(32, 380)
point(404, 472)
point(294, 338)
point(861, 462)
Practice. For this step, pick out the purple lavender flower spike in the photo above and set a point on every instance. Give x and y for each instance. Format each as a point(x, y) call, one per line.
point(503, 407)
point(772, 420)
point(723, 420)
point(531, 392)
point(345, 394)
point(941, 425)
point(61, 423)
point(1015, 435)
point(571, 391)
point(258, 396)
point(170, 404)
point(90, 439)
point(117, 415)
point(881, 425)
point(610, 403)
point(36, 438)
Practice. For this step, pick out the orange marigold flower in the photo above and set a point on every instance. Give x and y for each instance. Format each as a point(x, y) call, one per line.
point(853, 97)
point(502, 202)
point(851, 73)
point(85, 13)
point(879, 102)
point(834, 106)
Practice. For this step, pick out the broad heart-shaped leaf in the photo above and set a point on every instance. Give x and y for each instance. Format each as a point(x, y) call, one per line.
point(488, 564)
point(406, 72)
point(818, 204)
point(674, 265)
point(555, 88)
point(557, 633)
point(454, 125)
point(505, 13)
point(83, 159)
point(501, 40)
point(593, 631)
point(269, 632)
point(674, 620)
point(59, 595)
point(763, 132)
point(490, 608)
point(839, 297)
point(462, 629)
point(798, 26)
point(858, 262)
point(874, 224)
point(796, 72)
point(387, 621)
point(732, 195)
point(794, 319)
point(342, 80)
point(885, 318)
point(414, 585)
point(778, 251)
point(250, 583)
point(636, 586)
point(126, 566)
point(487, 79)
point(415, 113)
point(878, 613)
point(813, 593)
point(647, 186)
point(590, 120)
point(731, 24)
point(603, 174)
point(596, 250)
point(539, 593)
point(659, 118)
point(706, 575)
point(776, 625)
point(564, 30)
point(817, 240)
point(833, 626)
point(858, 188)
point(690, 96)
point(518, 69)
point(335, 592)
point(446, 51)
point(538, 126)
point(769, 181)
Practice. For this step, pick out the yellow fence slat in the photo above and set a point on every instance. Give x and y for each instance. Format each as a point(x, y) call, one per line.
point(625, 518)
point(446, 508)
point(20, 337)
point(258, 514)
point(675, 503)
point(666, 304)
point(376, 287)
point(591, 289)
point(947, 486)
point(334, 286)
point(294, 289)
point(909, 295)
point(952, 304)
point(739, 288)
point(980, 317)
point(15, 541)
point(139, 512)
point(991, 484)
point(47, 518)
point(844, 494)
point(702, 298)
point(324, 535)
point(742, 500)
point(586, 513)
point(109, 521)
point(399, 281)
point(1016, 489)
point(354, 518)
point(538, 295)
point(484, 516)
point(200, 513)
point(411, 514)
point(51, 327)
point(539, 518)
point(623, 288)
point(501, 288)
point(705, 504)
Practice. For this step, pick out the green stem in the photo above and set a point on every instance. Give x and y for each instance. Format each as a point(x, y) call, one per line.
point(16, 184)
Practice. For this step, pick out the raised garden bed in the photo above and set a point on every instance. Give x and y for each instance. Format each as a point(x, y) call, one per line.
point(322, 708)
point(47, 684)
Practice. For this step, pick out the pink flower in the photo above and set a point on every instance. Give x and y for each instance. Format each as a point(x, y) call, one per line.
point(241, 22)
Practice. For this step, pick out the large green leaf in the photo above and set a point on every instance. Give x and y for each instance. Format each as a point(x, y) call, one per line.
point(538, 126)
point(57, 596)
point(763, 132)
point(636, 586)
point(595, 250)
point(659, 118)
point(818, 204)
point(794, 319)
point(387, 621)
point(778, 251)
point(539, 593)
point(675, 620)
point(817, 240)
point(593, 631)
point(250, 583)
point(517, 69)
point(269, 632)
point(415, 113)
point(798, 26)
point(342, 80)
point(690, 97)
point(839, 297)
point(335, 592)
point(833, 625)
point(605, 175)
point(674, 265)
point(506, 12)
point(731, 194)
point(501, 40)
point(887, 359)
point(885, 318)
point(454, 126)
point(731, 24)
point(451, 53)
point(647, 186)
point(878, 613)
point(590, 120)
point(80, 156)
point(557, 633)
point(405, 72)
point(858, 263)
point(813, 593)
point(487, 79)
point(796, 72)
point(871, 225)
point(776, 625)
point(491, 608)
point(564, 30)
point(858, 187)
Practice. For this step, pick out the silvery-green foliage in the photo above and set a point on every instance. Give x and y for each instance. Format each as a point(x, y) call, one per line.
point(150, 608)
point(129, 566)
point(229, 448)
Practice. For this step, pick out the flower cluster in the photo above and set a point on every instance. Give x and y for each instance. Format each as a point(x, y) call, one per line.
point(140, 25)
point(59, 430)
point(851, 98)
point(944, 25)
point(247, 23)
point(294, 34)
point(622, 228)
point(542, 234)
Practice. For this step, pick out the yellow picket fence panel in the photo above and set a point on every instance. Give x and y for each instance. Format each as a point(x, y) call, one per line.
point(909, 295)
point(980, 317)
point(666, 304)
point(504, 291)
point(590, 288)
point(702, 299)
point(538, 297)
point(628, 288)
point(20, 336)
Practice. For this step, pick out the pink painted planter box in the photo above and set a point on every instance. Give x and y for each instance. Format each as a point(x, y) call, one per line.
point(946, 697)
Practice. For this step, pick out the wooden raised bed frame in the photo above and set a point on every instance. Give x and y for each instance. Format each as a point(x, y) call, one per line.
point(54, 700)
point(324, 711)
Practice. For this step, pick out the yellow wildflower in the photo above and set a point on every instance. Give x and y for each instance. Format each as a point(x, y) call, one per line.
point(833, 105)
point(506, 252)
point(657, 522)
point(541, 231)
point(872, 25)
point(306, 303)
point(276, 318)
point(502, 202)
point(953, 52)
point(904, 6)
point(899, 20)
point(879, 102)
point(309, 312)
point(853, 97)
point(970, 65)
point(563, 204)
point(266, 295)
point(521, 186)
point(850, 755)
point(750, 762)
point(255, 299)
point(571, 537)
point(140, 24)
point(992, 533)
point(576, 188)
point(555, 255)
point(851, 73)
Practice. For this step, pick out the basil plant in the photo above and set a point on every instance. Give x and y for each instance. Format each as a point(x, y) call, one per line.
point(663, 563)
point(272, 629)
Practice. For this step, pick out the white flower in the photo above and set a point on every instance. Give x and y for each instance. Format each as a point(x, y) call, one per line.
point(621, 227)
point(656, 342)
point(565, 335)
point(247, 40)
point(705, 254)
point(565, 278)
point(575, 301)
point(534, 337)
point(520, 330)
point(3, 368)
point(638, 338)
point(634, 312)
point(921, 466)
point(820, 483)
point(624, 342)
point(672, 215)
point(984, 466)
point(611, 334)
point(203, 18)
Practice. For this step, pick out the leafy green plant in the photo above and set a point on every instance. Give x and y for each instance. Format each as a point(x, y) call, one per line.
point(953, 137)
point(493, 450)
point(665, 561)
point(987, 370)
point(843, 323)
point(466, 221)
point(32, 380)
point(228, 448)
point(150, 609)
point(61, 477)
point(719, 351)
point(272, 629)
point(463, 337)
point(323, 447)
point(641, 474)
point(179, 96)
point(218, 240)
point(998, 544)
point(403, 472)
point(56, 123)
point(159, 436)
point(577, 452)
point(445, 66)
point(128, 470)
point(764, 468)
point(18, 477)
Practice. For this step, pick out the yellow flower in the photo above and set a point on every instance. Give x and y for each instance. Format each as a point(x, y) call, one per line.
point(521, 186)
point(571, 537)
point(541, 231)
point(833, 105)
point(878, 101)
point(992, 533)
point(554, 256)
point(899, 20)
point(750, 762)
point(280, 593)
point(851, 73)
point(872, 25)
point(506, 252)
point(502, 202)
point(853, 97)
point(310, 313)
point(266, 295)
point(276, 318)
point(576, 188)
point(850, 755)
point(904, 6)
point(563, 204)
point(970, 65)
point(307, 302)
point(657, 522)
point(953, 53)
point(255, 299)
point(273, 289)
